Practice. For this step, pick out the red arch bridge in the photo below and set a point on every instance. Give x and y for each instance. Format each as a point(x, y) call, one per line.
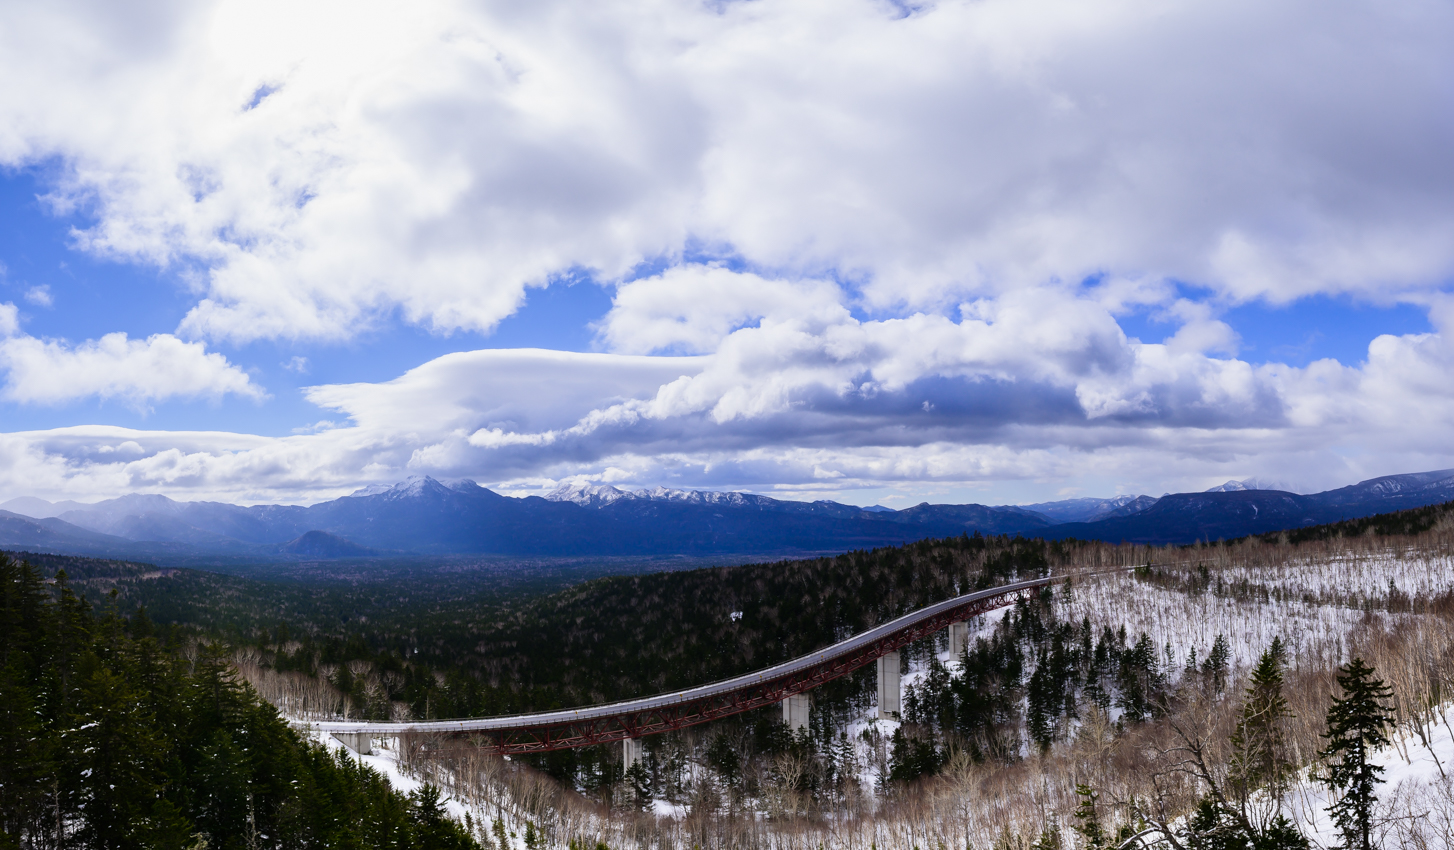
point(786, 684)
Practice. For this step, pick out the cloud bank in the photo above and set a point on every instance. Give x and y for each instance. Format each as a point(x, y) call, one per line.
point(894, 405)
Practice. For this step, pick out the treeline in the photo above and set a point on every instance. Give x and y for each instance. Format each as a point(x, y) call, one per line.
point(1405, 523)
point(112, 736)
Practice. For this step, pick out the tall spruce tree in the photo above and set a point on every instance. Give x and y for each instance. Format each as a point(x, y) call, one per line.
point(1215, 667)
point(1088, 819)
point(1259, 760)
point(1357, 726)
point(1246, 811)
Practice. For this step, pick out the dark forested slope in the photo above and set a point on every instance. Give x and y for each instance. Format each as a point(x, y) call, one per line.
point(110, 738)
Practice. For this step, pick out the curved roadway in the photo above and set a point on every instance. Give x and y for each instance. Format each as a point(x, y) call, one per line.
point(701, 693)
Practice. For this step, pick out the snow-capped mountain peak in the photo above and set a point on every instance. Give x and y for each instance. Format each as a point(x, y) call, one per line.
point(587, 494)
point(415, 486)
point(1249, 484)
point(599, 495)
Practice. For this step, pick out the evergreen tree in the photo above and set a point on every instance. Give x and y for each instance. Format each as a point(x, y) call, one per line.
point(1088, 820)
point(911, 757)
point(641, 790)
point(1213, 827)
point(1357, 726)
point(724, 758)
point(1042, 706)
point(110, 740)
point(1218, 662)
point(1233, 816)
point(1259, 759)
point(433, 827)
point(1139, 679)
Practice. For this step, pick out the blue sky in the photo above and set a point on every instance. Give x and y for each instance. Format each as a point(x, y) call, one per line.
point(978, 252)
point(92, 296)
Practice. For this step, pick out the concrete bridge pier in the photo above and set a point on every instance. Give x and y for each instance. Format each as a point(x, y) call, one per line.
point(888, 686)
point(361, 743)
point(958, 639)
point(630, 753)
point(795, 712)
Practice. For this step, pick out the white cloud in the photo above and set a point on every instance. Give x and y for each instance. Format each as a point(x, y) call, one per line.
point(514, 389)
point(39, 296)
point(329, 164)
point(694, 307)
point(134, 371)
point(9, 320)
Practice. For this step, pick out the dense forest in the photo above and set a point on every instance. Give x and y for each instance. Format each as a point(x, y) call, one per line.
point(114, 734)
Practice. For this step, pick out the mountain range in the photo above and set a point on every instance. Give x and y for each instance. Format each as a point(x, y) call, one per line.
point(424, 516)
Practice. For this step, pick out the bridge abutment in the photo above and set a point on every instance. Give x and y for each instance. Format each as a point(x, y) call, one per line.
point(888, 686)
point(361, 743)
point(795, 712)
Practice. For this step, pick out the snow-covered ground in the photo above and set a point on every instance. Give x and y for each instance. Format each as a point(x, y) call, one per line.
point(1312, 633)
point(1416, 801)
point(1350, 578)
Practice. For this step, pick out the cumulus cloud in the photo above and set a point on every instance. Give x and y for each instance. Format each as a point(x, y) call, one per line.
point(9, 320)
point(328, 165)
point(692, 308)
point(39, 296)
point(134, 371)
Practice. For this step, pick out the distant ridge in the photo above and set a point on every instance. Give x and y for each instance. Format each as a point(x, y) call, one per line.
point(425, 516)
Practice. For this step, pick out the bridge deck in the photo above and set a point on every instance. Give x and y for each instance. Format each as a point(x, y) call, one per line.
point(574, 727)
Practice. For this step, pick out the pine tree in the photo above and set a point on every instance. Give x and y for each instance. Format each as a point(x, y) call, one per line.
point(1041, 707)
point(1231, 816)
point(641, 789)
point(115, 741)
point(1213, 827)
point(1138, 679)
point(1088, 820)
point(1357, 726)
point(108, 739)
point(26, 767)
point(433, 828)
point(1259, 759)
point(1219, 660)
point(724, 758)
